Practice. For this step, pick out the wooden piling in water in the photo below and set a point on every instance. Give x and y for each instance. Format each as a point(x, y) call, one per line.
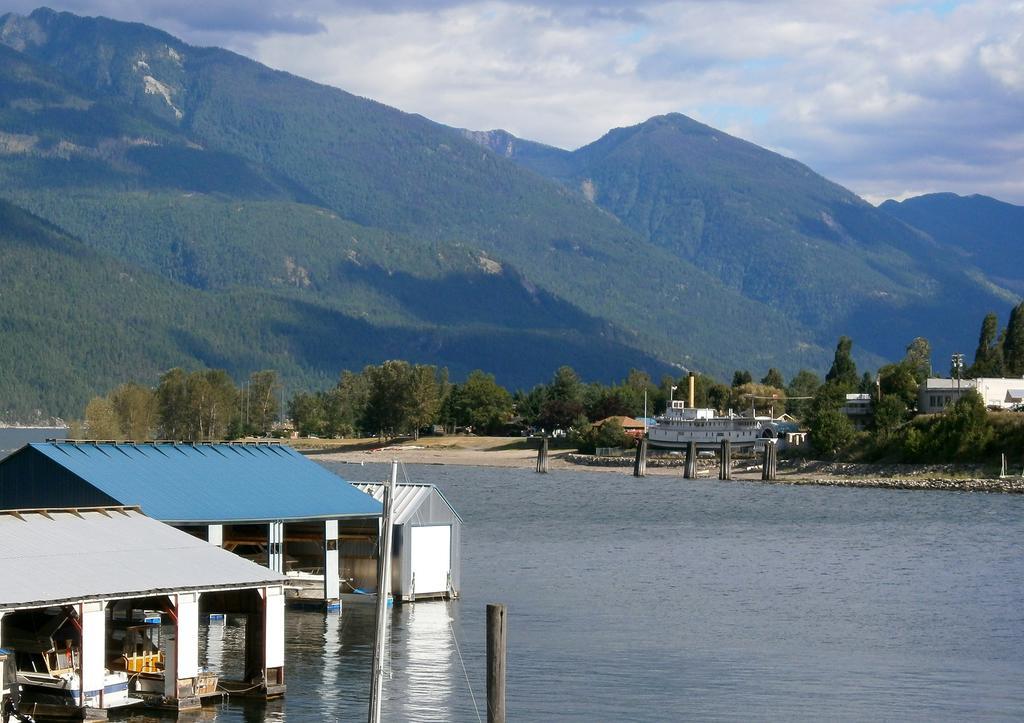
point(640, 463)
point(497, 637)
point(769, 463)
point(542, 456)
point(725, 460)
point(690, 471)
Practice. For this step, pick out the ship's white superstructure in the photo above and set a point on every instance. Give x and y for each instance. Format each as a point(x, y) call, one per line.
point(682, 424)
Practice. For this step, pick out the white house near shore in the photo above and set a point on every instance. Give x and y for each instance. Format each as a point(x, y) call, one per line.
point(998, 393)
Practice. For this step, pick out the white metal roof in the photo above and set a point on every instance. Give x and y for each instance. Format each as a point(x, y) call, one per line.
point(56, 556)
point(942, 384)
point(408, 498)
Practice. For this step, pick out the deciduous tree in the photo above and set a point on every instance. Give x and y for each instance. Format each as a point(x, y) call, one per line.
point(136, 409)
point(101, 420)
point(831, 430)
point(262, 402)
point(804, 384)
point(480, 402)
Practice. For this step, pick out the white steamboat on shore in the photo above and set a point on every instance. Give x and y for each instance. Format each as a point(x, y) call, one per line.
point(682, 424)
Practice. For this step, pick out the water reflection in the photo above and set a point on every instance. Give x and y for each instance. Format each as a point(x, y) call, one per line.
point(329, 682)
point(661, 599)
point(422, 647)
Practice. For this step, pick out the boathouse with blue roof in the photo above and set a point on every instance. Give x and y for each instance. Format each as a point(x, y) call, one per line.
point(264, 501)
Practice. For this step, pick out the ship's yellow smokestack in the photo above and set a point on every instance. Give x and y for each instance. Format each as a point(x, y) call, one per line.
point(691, 400)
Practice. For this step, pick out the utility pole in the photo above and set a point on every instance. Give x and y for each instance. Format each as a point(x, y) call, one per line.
point(958, 365)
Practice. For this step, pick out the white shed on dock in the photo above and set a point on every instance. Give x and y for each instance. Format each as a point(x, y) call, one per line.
point(73, 581)
point(426, 554)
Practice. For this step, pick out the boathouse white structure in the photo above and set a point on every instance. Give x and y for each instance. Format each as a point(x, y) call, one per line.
point(426, 543)
point(264, 501)
point(84, 563)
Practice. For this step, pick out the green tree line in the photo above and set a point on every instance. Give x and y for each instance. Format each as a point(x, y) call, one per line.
point(399, 398)
point(966, 431)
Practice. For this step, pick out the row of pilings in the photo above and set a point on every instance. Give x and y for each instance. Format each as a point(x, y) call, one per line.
point(769, 464)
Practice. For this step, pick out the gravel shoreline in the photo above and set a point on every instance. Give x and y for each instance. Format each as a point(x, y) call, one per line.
point(822, 474)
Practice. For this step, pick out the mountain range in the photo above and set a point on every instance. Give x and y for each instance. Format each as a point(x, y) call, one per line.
point(249, 218)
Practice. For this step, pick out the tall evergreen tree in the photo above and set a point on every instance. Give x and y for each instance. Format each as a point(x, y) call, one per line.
point(741, 377)
point(988, 357)
point(1013, 347)
point(774, 378)
point(844, 371)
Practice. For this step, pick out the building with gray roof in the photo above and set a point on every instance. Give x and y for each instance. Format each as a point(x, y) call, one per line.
point(70, 569)
point(265, 501)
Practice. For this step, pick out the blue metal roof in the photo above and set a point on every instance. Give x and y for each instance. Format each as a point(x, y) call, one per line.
point(186, 483)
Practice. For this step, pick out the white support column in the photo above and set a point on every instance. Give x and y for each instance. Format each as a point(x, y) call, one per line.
point(274, 631)
point(331, 581)
point(187, 609)
point(180, 644)
point(215, 535)
point(275, 546)
point(92, 616)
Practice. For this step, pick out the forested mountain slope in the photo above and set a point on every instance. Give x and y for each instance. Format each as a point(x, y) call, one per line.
point(772, 229)
point(216, 172)
point(300, 227)
point(986, 233)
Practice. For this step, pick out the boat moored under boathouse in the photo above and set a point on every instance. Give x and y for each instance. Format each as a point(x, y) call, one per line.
point(101, 608)
point(262, 501)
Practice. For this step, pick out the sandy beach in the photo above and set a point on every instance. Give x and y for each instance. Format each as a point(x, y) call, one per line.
point(468, 451)
point(517, 453)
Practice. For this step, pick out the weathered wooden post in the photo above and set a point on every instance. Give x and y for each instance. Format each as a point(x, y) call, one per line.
point(769, 463)
point(542, 455)
point(690, 470)
point(640, 464)
point(497, 637)
point(725, 460)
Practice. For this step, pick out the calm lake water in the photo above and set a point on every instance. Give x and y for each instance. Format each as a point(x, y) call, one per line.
point(663, 599)
point(14, 438)
point(659, 599)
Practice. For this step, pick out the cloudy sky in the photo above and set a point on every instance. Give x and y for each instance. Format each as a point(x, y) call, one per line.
point(890, 98)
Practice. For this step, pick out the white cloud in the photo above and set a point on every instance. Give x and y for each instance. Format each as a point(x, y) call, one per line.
point(880, 95)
